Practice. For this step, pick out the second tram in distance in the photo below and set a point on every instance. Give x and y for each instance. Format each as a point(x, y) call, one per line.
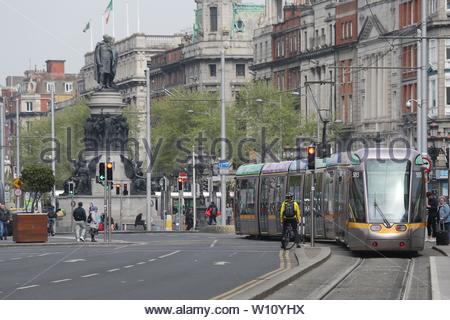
point(373, 201)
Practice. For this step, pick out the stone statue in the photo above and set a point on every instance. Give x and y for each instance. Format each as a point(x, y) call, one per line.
point(105, 61)
point(82, 172)
point(133, 171)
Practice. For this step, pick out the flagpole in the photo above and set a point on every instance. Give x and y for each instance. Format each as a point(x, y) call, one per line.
point(128, 20)
point(90, 31)
point(138, 16)
point(103, 26)
point(114, 19)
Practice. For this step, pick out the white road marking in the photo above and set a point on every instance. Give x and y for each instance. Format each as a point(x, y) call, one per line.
point(213, 244)
point(121, 247)
point(112, 270)
point(90, 275)
point(142, 262)
point(27, 287)
point(220, 263)
point(16, 258)
point(150, 260)
point(74, 260)
point(62, 280)
point(140, 280)
point(130, 266)
point(169, 254)
point(233, 254)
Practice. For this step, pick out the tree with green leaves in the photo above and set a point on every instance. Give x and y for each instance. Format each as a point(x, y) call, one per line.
point(265, 116)
point(36, 144)
point(37, 179)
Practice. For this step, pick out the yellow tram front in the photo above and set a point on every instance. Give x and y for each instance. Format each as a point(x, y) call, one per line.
point(387, 201)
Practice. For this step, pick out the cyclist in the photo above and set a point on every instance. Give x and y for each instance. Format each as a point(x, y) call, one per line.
point(290, 215)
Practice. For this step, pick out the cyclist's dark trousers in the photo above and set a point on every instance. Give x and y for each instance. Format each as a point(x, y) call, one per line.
point(294, 225)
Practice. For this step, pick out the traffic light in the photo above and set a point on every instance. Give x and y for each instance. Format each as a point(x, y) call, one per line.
point(109, 171)
point(117, 189)
point(101, 171)
point(180, 184)
point(125, 189)
point(71, 188)
point(311, 151)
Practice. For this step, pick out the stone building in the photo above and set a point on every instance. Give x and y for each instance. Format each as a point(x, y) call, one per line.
point(219, 25)
point(33, 93)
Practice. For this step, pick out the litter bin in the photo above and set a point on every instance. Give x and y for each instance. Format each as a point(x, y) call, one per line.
point(30, 227)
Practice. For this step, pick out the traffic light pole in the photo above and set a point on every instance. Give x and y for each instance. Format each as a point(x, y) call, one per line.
point(105, 211)
point(194, 189)
point(313, 223)
point(109, 212)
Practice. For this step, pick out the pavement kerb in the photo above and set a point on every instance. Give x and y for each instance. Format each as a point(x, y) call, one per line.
point(435, 290)
point(272, 284)
point(440, 250)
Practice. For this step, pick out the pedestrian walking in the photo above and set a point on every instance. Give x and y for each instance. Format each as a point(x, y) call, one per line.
point(5, 219)
point(212, 213)
point(51, 214)
point(432, 220)
point(79, 215)
point(229, 213)
point(188, 218)
point(94, 221)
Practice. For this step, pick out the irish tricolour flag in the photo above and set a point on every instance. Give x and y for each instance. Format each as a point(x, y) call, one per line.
point(108, 10)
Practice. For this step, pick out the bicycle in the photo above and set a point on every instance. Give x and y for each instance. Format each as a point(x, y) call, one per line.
point(288, 238)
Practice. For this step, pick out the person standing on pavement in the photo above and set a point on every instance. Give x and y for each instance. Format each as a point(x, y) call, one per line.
point(229, 213)
point(79, 215)
point(432, 219)
point(444, 213)
point(93, 220)
point(51, 214)
point(5, 217)
point(212, 213)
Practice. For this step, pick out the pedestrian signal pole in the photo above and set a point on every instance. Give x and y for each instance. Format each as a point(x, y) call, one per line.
point(311, 151)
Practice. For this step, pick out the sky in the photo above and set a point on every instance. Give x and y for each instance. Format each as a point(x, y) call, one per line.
point(34, 31)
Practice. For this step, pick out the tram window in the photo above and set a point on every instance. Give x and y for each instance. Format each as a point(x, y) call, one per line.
point(246, 196)
point(318, 194)
point(307, 194)
point(277, 194)
point(417, 197)
point(356, 201)
point(388, 190)
point(264, 196)
point(294, 187)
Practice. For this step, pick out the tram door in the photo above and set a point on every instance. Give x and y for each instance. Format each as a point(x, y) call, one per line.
point(319, 211)
point(264, 205)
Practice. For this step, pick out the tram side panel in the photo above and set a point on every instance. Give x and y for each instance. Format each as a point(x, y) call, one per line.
point(246, 205)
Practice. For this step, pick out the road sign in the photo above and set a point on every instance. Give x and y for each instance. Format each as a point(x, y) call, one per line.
point(427, 164)
point(183, 176)
point(224, 171)
point(7, 188)
point(223, 164)
point(17, 183)
point(17, 192)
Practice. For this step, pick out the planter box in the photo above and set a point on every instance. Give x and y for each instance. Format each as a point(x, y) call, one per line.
point(30, 227)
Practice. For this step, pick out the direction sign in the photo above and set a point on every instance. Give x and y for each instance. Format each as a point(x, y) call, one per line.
point(223, 164)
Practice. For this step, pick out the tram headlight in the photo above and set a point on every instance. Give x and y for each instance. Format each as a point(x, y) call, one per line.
point(400, 227)
point(375, 227)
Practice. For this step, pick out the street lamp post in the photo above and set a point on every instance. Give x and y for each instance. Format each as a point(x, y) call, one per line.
point(223, 154)
point(419, 131)
point(17, 147)
point(2, 151)
point(53, 144)
point(149, 157)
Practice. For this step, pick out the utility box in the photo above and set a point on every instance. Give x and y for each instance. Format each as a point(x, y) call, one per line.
point(30, 227)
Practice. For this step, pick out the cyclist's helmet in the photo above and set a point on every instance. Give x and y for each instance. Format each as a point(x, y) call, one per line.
point(289, 196)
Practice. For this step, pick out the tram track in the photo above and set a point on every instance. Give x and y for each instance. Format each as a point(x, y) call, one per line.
point(361, 272)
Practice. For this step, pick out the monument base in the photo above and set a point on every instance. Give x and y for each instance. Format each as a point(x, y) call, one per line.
point(124, 210)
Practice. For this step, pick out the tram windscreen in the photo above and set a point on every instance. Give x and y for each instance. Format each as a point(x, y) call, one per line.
point(388, 190)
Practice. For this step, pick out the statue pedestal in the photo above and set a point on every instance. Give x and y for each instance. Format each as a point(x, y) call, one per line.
point(107, 136)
